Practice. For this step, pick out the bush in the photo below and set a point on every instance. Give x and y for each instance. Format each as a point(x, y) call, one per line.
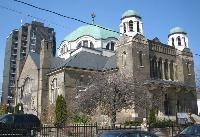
point(60, 111)
point(162, 124)
point(3, 109)
point(81, 119)
point(133, 123)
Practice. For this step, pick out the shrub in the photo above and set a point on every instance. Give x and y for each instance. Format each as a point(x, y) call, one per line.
point(133, 123)
point(3, 109)
point(81, 119)
point(60, 111)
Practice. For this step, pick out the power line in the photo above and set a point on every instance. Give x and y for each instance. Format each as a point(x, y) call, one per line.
point(29, 15)
point(61, 15)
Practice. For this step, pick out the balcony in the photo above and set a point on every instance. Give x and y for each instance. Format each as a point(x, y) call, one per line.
point(13, 59)
point(23, 52)
point(14, 53)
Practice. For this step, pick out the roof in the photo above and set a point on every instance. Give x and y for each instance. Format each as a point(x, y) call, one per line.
point(89, 61)
point(97, 32)
point(36, 58)
point(177, 30)
point(130, 13)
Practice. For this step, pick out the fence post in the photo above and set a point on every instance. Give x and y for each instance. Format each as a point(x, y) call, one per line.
point(57, 131)
point(96, 128)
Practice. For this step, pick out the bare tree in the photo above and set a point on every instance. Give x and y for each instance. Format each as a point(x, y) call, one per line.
point(112, 92)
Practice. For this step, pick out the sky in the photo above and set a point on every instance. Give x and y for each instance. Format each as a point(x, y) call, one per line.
point(158, 17)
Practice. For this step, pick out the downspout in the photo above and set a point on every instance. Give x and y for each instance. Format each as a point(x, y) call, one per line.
point(38, 89)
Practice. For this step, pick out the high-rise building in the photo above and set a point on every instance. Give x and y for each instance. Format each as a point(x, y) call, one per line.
point(19, 43)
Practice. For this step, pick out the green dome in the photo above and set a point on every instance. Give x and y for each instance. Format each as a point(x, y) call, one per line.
point(93, 31)
point(177, 30)
point(130, 13)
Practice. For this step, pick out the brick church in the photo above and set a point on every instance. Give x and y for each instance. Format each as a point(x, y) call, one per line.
point(89, 49)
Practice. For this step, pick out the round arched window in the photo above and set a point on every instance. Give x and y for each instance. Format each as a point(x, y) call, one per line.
point(85, 43)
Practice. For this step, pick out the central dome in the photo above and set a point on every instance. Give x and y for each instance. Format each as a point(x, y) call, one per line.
point(130, 13)
point(93, 31)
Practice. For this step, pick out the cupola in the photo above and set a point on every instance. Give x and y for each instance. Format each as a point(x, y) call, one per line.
point(178, 38)
point(131, 23)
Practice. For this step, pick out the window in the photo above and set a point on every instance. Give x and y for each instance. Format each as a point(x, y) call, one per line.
point(79, 44)
point(54, 90)
point(112, 45)
point(184, 41)
point(130, 25)
point(85, 43)
point(172, 41)
point(108, 46)
point(160, 68)
point(140, 58)
point(124, 27)
point(172, 70)
point(189, 68)
point(138, 26)
point(91, 45)
point(179, 41)
point(124, 58)
point(166, 69)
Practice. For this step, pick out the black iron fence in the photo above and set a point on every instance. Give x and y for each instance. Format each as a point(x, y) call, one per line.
point(89, 130)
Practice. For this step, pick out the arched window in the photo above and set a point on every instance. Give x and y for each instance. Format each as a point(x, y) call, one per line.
point(130, 25)
point(112, 45)
point(184, 41)
point(172, 41)
point(166, 69)
point(154, 67)
point(85, 43)
point(160, 68)
point(79, 44)
point(189, 68)
point(179, 41)
point(172, 70)
point(91, 45)
point(27, 92)
point(124, 58)
point(124, 25)
point(62, 50)
point(138, 26)
point(108, 46)
point(140, 58)
point(54, 90)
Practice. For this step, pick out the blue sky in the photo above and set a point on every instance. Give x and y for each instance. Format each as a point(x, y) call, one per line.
point(158, 16)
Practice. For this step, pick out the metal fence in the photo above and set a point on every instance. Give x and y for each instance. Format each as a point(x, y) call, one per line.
point(89, 130)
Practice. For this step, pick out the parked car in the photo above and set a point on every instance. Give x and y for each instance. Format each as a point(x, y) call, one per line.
point(126, 133)
point(19, 125)
point(190, 131)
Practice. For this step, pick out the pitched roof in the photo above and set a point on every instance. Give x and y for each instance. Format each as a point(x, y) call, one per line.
point(36, 58)
point(89, 61)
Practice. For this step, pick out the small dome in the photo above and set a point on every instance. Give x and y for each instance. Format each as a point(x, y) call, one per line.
point(130, 13)
point(93, 31)
point(177, 30)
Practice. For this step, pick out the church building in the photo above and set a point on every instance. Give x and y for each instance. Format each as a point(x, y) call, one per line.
point(90, 49)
